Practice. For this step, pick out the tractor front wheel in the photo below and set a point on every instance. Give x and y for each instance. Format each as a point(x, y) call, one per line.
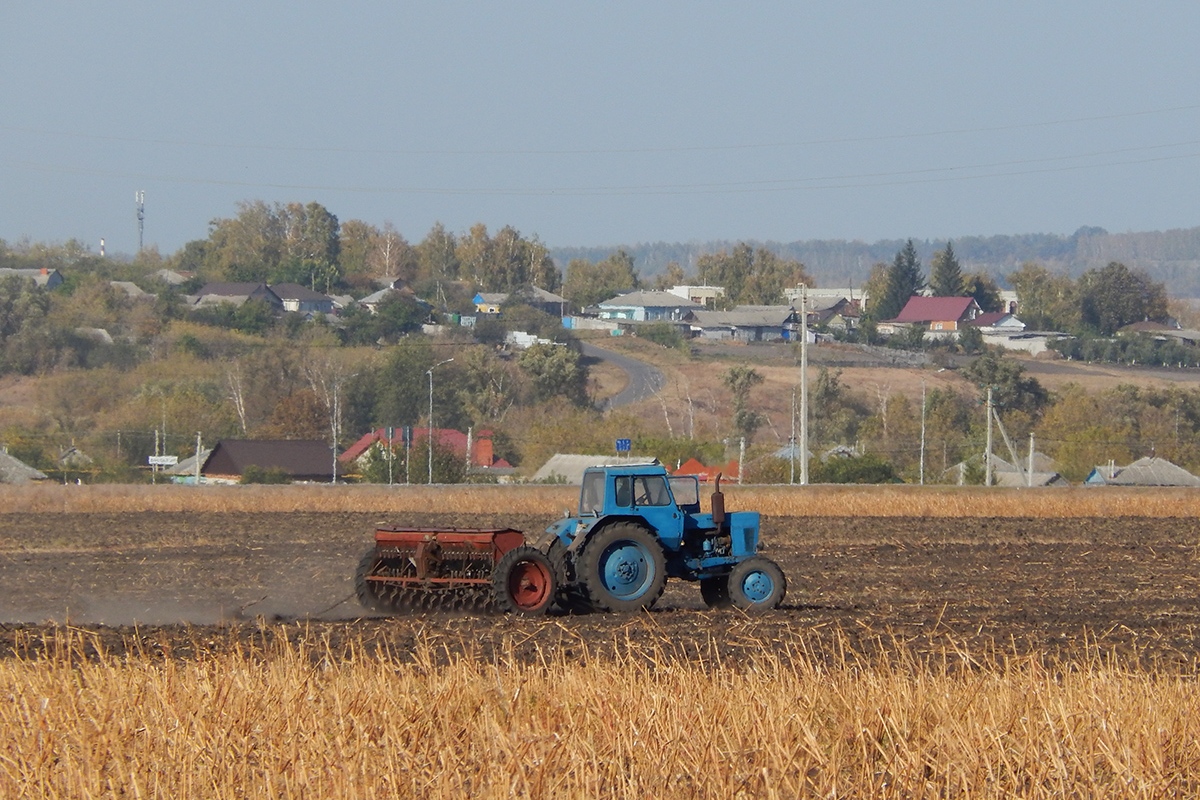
point(622, 568)
point(757, 584)
point(524, 581)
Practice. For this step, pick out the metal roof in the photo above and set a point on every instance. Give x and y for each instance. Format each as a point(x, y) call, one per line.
point(14, 470)
point(1149, 471)
point(649, 300)
point(932, 309)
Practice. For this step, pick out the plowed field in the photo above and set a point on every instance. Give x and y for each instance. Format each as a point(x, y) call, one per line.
point(180, 583)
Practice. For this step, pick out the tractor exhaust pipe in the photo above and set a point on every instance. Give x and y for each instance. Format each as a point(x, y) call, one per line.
point(718, 504)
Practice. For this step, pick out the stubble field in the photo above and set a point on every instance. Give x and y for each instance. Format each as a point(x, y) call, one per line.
point(216, 651)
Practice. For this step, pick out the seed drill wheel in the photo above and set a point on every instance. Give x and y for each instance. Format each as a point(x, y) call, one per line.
point(368, 591)
point(524, 581)
point(622, 568)
point(757, 584)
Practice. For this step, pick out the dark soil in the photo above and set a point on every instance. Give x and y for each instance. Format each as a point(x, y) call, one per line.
point(183, 584)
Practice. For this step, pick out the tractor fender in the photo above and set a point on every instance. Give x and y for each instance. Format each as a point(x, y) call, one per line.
point(584, 535)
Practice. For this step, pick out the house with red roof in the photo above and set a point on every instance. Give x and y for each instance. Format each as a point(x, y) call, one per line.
point(708, 474)
point(937, 315)
point(477, 449)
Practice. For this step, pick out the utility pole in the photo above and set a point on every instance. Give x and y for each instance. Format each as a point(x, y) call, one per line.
point(429, 443)
point(1029, 481)
point(792, 449)
point(987, 456)
point(139, 200)
point(803, 385)
point(922, 469)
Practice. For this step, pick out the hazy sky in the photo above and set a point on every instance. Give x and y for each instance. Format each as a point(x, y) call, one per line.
point(602, 123)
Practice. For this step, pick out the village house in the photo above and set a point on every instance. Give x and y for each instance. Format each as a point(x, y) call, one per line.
point(1148, 471)
point(297, 298)
point(647, 307)
point(237, 294)
point(747, 324)
point(939, 316)
point(549, 302)
point(43, 277)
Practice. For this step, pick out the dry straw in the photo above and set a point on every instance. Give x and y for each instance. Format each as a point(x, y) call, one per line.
point(305, 721)
point(867, 501)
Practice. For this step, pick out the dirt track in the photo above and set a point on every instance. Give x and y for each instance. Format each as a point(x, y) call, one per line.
point(191, 581)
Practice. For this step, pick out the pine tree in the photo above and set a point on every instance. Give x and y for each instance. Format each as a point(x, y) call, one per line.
point(945, 276)
point(903, 281)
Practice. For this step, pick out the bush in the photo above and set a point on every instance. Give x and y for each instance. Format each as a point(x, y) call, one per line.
point(856, 469)
point(664, 334)
point(257, 474)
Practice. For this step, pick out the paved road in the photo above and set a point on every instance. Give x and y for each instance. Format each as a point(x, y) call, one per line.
point(644, 379)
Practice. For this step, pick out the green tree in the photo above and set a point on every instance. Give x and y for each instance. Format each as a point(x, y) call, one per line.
point(246, 247)
point(588, 284)
point(1115, 296)
point(740, 380)
point(1011, 388)
point(904, 279)
point(506, 261)
point(874, 289)
point(437, 255)
point(970, 340)
point(672, 276)
point(1045, 301)
point(489, 386)
point(555, 371)
point(945, 273)
point(754, 277)
point(834, 410)
point(986, 292)
point(396, 391)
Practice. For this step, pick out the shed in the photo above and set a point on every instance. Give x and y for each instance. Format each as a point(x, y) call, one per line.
point(570, 467)
point(301, 459)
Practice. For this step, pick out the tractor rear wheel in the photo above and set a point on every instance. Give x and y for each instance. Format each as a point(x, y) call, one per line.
point(622, 568)
point(524, 582)
point(757, 584)
point(715, 591)
point(368, 591)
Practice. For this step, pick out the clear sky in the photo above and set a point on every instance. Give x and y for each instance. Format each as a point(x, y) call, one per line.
point(602, 123)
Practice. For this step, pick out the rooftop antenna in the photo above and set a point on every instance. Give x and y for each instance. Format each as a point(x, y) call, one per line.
point(139, 199)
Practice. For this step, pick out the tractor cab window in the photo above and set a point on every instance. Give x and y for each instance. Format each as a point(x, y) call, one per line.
point(623, 493)
point(687, 491)
point(651, 491)
point(591, 498)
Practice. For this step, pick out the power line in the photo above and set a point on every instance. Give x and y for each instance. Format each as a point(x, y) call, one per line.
point(606, 150)
point(867, 180)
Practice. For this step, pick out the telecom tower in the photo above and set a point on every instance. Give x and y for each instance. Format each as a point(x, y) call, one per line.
point(139, 199)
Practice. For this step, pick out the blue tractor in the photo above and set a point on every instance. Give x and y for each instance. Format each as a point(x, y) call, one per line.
point(636, 527)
